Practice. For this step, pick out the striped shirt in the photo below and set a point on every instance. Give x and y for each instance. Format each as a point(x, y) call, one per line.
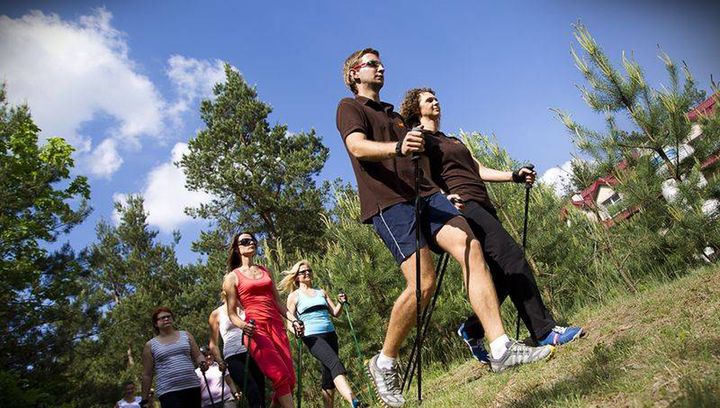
point(173, 365)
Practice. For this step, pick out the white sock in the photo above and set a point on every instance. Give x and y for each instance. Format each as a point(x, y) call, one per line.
point(498, 347)
point(385, 362)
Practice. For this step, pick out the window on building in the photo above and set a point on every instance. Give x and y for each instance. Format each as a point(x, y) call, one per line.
point(613, 204)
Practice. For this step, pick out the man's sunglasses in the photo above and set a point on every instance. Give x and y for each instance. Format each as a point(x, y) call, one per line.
point(371, 64)
point(166, 317)
point(306, 272)
point(246, 241)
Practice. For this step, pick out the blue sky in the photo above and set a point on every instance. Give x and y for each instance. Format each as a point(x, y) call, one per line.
point(122, 80)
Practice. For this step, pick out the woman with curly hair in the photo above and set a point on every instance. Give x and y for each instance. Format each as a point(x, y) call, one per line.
point(463, 178)
point(314, 307)
point(250, 286)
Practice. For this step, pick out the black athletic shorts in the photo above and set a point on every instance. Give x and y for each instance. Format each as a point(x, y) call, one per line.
point(324, 347)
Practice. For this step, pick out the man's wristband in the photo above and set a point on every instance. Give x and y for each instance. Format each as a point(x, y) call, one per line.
point(516, 177)
point(398, 149)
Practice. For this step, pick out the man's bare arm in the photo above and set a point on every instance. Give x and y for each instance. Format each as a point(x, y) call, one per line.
point(369, 150)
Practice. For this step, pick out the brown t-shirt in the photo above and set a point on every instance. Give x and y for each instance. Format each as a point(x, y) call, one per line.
point(454, 169)
point(384, 183)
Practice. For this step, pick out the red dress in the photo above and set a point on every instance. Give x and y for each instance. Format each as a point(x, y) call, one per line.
point(269, 347)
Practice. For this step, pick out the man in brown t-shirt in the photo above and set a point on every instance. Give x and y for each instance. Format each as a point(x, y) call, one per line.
point(379, 145)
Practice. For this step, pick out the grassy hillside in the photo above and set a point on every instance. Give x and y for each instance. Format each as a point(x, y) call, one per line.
point(660, 347)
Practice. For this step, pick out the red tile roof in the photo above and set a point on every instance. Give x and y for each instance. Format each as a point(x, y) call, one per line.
point(705, 108)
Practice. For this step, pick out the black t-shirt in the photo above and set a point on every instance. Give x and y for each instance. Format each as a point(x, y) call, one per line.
point(454, 169)
point(383, 183)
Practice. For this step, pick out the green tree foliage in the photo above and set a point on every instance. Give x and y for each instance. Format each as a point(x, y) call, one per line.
point(261, 176)
point(39, 202)
point(655, 156)
point(659, 117)
point(131, 273)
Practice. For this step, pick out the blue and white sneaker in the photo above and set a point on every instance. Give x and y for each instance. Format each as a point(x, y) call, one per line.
point(561, 335)
point(476, 345)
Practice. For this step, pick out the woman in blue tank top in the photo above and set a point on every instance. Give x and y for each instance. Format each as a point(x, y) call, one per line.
point(314, 308)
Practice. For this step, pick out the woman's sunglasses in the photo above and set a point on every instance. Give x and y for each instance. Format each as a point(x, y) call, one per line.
point(247, 241)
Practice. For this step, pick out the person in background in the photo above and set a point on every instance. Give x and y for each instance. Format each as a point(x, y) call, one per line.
point(129, 399)
point(235, 354)
point(213, 393)
point(314, 307)
point(172, 355)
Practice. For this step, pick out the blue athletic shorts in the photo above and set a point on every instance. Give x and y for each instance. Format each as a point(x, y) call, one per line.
point(396, 224)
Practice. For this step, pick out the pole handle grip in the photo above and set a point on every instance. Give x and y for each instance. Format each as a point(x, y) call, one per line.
point(342, 292)
point(530, 166)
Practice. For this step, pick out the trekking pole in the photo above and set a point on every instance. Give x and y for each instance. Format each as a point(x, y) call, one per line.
point(299, 370)
point(247, 366)
point(427, 315)
point(528, 186)
point(207, 386)
point(222, 386)
point(418, 295)
point(352, 331)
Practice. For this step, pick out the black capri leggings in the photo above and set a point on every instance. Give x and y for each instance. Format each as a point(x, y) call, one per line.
point(255, 383)
point(187, 398)
point(324, 347)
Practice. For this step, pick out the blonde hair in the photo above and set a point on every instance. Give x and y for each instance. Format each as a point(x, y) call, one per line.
point(289, 282)
point(352, 61)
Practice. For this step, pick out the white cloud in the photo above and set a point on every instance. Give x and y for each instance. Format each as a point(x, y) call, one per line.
point(558, 177)
point(104, 159)
point(72, 72)
point(166, 196)
point(193, 79)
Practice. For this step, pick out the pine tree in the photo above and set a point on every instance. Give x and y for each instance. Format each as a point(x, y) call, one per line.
point(131, 273)
point(261, 176)
point(654, 155)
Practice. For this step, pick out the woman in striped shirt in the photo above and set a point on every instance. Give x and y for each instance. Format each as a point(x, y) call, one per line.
point(172, 355)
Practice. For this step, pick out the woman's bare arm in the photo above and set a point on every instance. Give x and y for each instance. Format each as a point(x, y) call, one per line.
point(214, 328)
point(334, 309)
point(148, 368)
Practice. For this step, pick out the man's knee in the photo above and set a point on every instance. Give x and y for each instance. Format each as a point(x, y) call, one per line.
point(456, 236)
point(427, 288)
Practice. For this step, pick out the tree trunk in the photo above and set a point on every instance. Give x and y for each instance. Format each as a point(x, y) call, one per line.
point(131, 360)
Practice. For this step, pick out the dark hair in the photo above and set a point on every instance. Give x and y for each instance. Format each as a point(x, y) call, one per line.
point(126, 383)
point(233, 259)
point(353, 60)
point(155, 314)
point(410, 107)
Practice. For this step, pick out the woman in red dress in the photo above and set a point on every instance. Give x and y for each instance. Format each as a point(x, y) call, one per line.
point(251, 286)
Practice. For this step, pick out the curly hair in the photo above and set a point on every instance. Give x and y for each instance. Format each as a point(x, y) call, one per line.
point(410, 107)
point(352, 61)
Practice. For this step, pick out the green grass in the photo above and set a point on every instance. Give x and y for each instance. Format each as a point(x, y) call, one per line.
point(660, 347)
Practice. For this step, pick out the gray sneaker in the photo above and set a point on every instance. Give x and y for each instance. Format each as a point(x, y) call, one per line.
point(518, 353)
point(386, 382)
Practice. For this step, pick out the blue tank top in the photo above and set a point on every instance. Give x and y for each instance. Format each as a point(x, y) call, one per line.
point(313, 311)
